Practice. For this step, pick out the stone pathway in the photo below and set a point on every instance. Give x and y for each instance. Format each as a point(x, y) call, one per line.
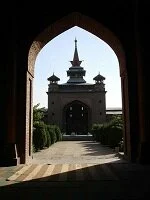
point(67, 161)
point(74, 170)
point(76, 152)
point(63, 172)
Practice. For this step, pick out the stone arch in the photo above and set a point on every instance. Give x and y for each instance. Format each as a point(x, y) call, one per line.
point(82, 21)
point(94, 27)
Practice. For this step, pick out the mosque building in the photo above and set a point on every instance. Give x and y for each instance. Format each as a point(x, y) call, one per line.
point(75, 105)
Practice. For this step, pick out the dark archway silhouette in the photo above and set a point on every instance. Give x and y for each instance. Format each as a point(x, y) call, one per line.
point(69, 21)
point(26, 32)
point(76, 118)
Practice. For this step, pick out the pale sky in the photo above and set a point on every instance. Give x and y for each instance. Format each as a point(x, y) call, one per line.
point(97, 57)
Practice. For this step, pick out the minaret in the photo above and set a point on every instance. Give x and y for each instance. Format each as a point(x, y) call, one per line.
point(99, 84)
point(53, 85)
point(99, 79)
point(76, 72)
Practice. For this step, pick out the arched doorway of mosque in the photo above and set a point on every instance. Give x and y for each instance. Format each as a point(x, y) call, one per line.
point(76, 118)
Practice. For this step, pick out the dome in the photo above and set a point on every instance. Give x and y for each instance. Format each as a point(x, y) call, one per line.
point(99, 78)
point(53, 78)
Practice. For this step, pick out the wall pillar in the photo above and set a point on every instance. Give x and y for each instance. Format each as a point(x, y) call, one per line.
point(143, 79)
point(8, 139)
point(125, 109)
point(29, 117)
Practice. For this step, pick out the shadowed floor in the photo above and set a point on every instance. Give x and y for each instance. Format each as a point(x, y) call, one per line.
point(76, 170)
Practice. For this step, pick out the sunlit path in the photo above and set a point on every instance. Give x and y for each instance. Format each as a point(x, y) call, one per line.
point(75, 152)
point(60, 172)
point(81, 169)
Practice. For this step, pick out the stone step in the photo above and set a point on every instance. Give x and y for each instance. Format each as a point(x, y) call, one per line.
point(77, 138)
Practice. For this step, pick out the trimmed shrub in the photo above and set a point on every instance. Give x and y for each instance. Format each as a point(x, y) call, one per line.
point(51, 131)
point(48, 144)
point(115, 136)
point(104, 134)
point(58, 133)
point(96, 131)
point(39, 136)
point(110, 133)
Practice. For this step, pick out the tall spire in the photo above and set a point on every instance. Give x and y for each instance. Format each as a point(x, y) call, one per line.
point(76, 72)
point(76, 61)
point(75, 43)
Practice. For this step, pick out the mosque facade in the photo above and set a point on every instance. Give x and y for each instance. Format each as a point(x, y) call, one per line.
point(76, 105)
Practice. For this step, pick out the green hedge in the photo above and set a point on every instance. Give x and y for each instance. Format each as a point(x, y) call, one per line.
point(39, 136)
point(110, 133)
point(45, 135)
point(52, 133)
point(58, 133)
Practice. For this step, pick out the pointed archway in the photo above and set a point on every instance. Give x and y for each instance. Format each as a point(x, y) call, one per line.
point(76, 118)
point(76, 19)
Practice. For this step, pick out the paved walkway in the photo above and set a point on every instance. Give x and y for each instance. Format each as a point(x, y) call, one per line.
point(73, 171)
point(75, 152)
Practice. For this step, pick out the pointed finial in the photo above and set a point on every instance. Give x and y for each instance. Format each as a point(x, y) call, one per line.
point(75, 42)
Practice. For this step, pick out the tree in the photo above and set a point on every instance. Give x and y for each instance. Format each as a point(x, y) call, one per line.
point(38, 114)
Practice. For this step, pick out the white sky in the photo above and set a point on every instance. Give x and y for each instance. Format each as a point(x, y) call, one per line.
point(97, 57)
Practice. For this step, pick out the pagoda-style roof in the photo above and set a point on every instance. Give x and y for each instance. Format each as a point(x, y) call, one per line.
point(99, 78)
point(76, 72)
point(53, 78)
